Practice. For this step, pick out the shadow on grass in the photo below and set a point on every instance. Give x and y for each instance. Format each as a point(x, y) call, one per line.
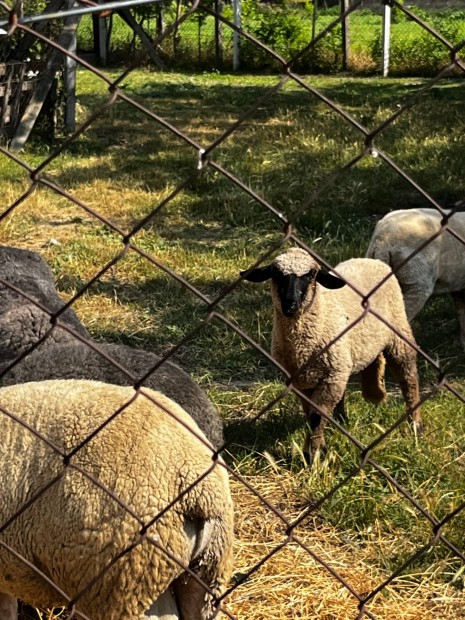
point(140, 150)
point(258, 436)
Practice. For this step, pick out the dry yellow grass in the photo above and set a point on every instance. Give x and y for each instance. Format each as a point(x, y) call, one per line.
point(291, 584)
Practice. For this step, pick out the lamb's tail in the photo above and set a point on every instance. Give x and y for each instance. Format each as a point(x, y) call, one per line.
point(373, 389)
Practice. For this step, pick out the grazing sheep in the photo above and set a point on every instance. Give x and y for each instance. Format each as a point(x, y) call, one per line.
point(308, 315)
point(146, 457)
point(65, 357)
point(438, 268)
point(21, 321)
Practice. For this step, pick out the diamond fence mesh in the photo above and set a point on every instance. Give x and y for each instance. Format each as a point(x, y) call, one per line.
point(271, 522)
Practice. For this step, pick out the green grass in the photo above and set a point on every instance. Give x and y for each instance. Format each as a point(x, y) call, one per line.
point(125, 164)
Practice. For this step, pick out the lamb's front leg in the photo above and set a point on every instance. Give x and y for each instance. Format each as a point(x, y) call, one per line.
point(8, 607)
point(326, 396)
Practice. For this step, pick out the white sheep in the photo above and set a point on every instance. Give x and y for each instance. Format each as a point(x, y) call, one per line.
point(73, 531)
point(62, 356)
point(311, 308)
point(438, 268)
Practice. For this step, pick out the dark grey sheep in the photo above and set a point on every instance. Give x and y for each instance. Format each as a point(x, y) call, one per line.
point(62, 356)
point(79, 361)
point(21, 322)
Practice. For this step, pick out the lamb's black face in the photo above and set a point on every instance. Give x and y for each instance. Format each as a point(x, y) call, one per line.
point(291, 290)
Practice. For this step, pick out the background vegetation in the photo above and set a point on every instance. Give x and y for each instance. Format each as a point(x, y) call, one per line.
point(125, 164)
point(286, 27)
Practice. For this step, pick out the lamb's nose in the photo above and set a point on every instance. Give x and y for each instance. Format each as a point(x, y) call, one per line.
point(290, 308)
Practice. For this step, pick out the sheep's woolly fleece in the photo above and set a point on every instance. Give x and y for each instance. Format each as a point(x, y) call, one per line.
point(74, 530)
point(62, 356)
point(295, 261)
point(30, 273)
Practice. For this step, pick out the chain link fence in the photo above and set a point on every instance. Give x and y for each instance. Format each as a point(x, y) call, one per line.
point(274, 527)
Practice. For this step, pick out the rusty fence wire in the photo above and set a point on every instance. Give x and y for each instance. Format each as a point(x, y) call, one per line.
point(203, 159)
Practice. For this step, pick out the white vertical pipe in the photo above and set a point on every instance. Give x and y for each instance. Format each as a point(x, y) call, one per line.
point(70, 83)
point(236, 35)
point(386, 39)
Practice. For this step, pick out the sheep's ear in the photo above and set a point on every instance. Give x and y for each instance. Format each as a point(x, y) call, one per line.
point(329, 281)
point(259, 274)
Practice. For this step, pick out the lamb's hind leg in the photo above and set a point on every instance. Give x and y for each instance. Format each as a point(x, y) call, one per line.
point(372, 376)
point(401, 358)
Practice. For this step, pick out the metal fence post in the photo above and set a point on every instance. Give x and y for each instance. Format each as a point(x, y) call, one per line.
point(386, 43)
point(219, 50)
point(70, 82)
point(236, 36)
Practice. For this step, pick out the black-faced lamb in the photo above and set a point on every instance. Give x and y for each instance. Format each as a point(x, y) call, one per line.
point(311, 308)
point(168, 484)
point(22, 324)
point(437, 269)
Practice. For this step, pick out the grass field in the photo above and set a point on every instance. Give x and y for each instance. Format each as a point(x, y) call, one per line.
point(126, 164)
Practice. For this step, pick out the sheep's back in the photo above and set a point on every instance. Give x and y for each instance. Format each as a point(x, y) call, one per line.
point(79, 361)
point(440, 264)
point(28, 272)
point(370, 335)
point(144, 456)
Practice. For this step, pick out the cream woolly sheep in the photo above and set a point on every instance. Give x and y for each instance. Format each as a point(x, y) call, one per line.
point(308, 315)
point(438, 268)
point(72, 532)
point(63, 356)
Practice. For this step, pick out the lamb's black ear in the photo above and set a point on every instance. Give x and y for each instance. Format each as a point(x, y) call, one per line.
point(329, 281)
point(259, 274)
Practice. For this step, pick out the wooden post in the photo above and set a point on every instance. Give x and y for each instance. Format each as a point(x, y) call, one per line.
point(70, 88)
point(45, 82)
point(26, 42)
point(5, 92)
point(386, 39)
point(345, 4)
point(127, 16)
point(176, 25)
point(99, 25)
point(160, 20)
